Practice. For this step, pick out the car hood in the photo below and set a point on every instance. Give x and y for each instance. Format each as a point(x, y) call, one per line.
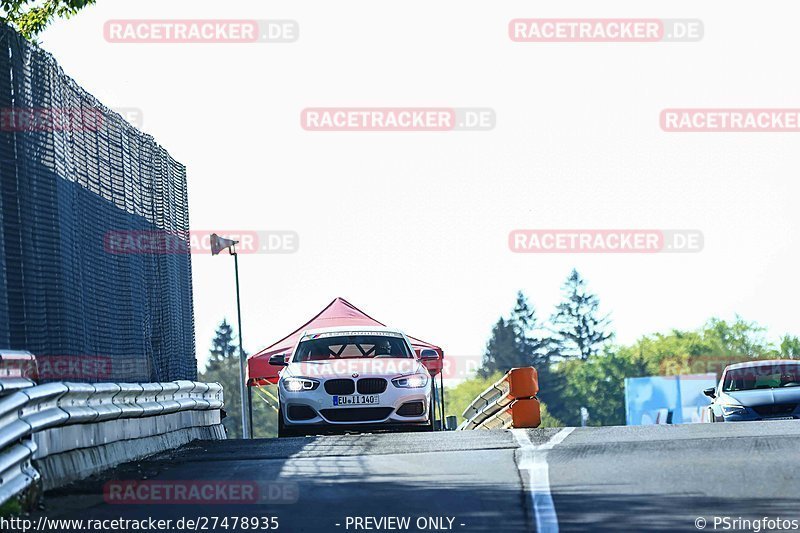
point(379, 367)
point(750, 398)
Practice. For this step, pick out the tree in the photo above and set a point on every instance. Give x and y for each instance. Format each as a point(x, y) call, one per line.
point(537, 349)
point(521, 341)
point(514, 342)
point(223, 367)
point(534, 348)
point(579, 331)
point(790, 347)
point(741, 339)
point(523, 316)
point(222, 346)
point(502, 350)
point(30, 17)
point(548, 420)
point(597, 383)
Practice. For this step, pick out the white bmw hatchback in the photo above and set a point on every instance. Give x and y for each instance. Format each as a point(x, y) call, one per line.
point(352, 378)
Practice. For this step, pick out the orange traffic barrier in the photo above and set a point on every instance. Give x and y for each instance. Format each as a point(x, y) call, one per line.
point(523, 382)
point(525, 413)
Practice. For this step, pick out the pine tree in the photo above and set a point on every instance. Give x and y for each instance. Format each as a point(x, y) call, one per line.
point(539, 349)
point(501, 350)
point(222, 346)
point(533, 348)
point(513, 343)
point(223, 367)
point(523, 316)
point(579, 330)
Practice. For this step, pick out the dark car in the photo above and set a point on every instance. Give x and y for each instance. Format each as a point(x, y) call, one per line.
point(758, 390)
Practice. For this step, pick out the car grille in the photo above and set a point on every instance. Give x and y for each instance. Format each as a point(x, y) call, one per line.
point(371, 385)
point(340, 386)
point(777, 409)
point(411, 409)
point(357, 414)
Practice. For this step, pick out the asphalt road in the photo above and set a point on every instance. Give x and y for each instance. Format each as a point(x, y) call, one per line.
point(663, 478)
point(613, 479)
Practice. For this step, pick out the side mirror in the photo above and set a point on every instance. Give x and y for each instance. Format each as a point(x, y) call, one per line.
point(428, 355)
point(711, 393)
point(278, 360)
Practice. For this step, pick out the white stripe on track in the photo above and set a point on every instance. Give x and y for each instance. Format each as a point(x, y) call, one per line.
point(532, 463)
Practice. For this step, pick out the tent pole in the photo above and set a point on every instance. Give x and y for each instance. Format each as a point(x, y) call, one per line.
point(250, 408)
point(435, 402)
point(444, 417)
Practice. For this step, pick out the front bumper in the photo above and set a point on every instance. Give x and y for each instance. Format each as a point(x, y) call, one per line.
point(750, 414)
point(741, 418)
point(329, 415)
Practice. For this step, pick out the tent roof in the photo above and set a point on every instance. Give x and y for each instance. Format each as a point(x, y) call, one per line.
point(339, 312)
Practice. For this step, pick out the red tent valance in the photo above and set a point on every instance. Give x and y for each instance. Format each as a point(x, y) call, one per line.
point(339, 312)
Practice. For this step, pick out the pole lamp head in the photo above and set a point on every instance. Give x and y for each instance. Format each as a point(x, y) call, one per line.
point(220, 243)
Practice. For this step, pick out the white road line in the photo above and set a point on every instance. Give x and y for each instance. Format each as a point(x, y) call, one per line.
point(532, 463)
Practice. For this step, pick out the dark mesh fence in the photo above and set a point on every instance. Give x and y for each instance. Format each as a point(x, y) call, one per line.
point(66, 183)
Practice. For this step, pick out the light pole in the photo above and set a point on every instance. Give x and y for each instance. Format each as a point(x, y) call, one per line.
point(217, 245)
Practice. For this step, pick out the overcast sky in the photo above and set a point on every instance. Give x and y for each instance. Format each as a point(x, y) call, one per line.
point(413, 226)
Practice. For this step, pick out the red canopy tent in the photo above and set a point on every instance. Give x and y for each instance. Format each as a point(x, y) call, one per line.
point(339, 312)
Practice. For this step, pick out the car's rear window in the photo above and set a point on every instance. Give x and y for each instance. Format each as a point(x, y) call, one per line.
point(769, 376)
point(352, 346)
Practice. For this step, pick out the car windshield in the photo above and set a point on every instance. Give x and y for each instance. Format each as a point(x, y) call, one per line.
point(769, 376)
point(333, 347)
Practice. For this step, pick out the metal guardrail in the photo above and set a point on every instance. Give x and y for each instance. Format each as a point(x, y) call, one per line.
point(510, 402)
point(27, 409)
point(18, 364)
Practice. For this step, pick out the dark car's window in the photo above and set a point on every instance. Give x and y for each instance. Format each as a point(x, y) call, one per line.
point(351, 346)
point(762, 377)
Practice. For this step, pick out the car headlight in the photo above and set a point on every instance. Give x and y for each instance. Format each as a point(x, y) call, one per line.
point(733, 409)
point(414, 381)
point(299, 384)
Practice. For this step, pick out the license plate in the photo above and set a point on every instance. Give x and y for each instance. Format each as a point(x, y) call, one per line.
point(356, 399)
